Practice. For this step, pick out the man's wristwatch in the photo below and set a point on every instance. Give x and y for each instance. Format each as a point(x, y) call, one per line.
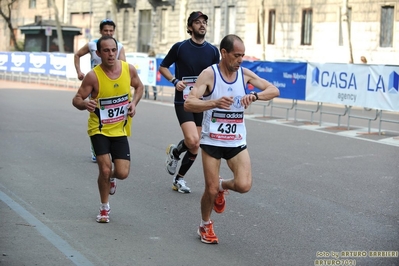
point(256, 95)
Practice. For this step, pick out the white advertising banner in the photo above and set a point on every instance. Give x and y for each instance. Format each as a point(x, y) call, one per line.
point(372, 86)
point(146, 68)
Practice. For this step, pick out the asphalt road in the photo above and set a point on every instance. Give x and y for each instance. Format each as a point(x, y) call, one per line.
point(315, 194)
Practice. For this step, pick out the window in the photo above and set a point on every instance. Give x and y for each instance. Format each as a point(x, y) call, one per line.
point(125, 34)
point(271, 27)
point(217, 25)
point(343, 23)
point(386, 28)
point(145, 31)
point(49, 3)
point(306, 31)
point(231, 20)
point(108, 15)
point(163, 27)
point(260, 25)
point(32, 3)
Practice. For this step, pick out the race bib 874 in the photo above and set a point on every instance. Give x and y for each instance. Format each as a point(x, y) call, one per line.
point(113, 109)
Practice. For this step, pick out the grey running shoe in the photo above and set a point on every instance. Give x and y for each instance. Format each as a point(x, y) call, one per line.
point(179, 185)
point(171, 161)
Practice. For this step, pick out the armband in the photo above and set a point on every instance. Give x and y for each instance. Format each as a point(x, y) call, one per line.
point(172, 79)
point(175, 81)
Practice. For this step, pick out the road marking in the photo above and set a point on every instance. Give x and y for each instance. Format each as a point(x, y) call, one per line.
point(53, 238)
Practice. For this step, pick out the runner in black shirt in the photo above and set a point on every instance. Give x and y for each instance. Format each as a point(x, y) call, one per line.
point(190, 57)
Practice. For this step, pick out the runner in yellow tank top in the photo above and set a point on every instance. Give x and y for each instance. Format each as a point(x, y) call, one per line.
point(111, 108)
point(110, 117)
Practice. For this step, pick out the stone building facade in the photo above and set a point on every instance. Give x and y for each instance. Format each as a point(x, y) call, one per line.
point(319, 30)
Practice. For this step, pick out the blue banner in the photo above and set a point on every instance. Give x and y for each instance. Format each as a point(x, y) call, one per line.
point(4, 61)
point(288, 77)
point(19, 62)
point(57, 64)
point(35, 63)
point(161, 81)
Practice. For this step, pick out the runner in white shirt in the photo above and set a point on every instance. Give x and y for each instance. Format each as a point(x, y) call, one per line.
point(222, 87)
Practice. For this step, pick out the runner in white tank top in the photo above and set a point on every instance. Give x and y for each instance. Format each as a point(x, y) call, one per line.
point(220, 127)
point(222, 87)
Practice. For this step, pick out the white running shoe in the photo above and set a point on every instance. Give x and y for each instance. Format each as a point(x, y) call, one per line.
point(112, 189)
point(179, 185)
point(103, 216)
point(171, 162)
point(93, 155)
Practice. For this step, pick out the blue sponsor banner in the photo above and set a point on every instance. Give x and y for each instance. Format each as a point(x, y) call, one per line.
point(35, 63)
point(161, 81)
point(4, 61)
point(38, 63)
point(19, 62)
point(288, 77)
point(57, 64)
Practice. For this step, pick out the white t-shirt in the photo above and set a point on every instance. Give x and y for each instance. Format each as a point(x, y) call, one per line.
point(95, 59)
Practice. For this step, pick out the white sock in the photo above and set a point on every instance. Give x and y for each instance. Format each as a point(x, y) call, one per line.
point(220, 185)
point(105, 206)
point(204, 223)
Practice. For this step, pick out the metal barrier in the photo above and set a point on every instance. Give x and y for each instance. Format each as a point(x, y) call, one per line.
point(385, 120)
point(377, 114)
point(282, 107)
point(168, 95)
point(312, 111)
point(345, 111)
point(264, 104)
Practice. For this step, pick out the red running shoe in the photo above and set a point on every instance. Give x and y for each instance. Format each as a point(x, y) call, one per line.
point(207, 234)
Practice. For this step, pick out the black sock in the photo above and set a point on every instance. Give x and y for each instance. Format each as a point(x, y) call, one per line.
point(186, 163)
point(181, 147)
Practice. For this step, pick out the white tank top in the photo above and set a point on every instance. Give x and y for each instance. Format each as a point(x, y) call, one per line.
point(225, 128)
point(95, 59)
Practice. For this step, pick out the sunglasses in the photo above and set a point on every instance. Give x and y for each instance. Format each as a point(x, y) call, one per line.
point(106, 20)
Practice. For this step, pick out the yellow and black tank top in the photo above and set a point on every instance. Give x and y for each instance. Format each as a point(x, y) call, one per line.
point(110, 117)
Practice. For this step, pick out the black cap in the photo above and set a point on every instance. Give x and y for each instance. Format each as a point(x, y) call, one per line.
point(195, 15)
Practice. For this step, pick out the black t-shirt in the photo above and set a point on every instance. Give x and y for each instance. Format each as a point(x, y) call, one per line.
point(190, 59)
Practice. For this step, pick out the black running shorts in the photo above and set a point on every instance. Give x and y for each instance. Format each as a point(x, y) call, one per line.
point(118, 147)
point(184, 116)
point(222, 152)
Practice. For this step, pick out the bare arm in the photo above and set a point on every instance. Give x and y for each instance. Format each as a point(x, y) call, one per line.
point(88, 87)
point(203, 86)
point(269, 91)
point(166, 73)
point(81, 52)
point(138, 88)
point(122, 55)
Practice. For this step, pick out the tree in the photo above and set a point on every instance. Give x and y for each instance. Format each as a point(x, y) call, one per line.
point(5, 12)
point(347, 29)
point(59, 30)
